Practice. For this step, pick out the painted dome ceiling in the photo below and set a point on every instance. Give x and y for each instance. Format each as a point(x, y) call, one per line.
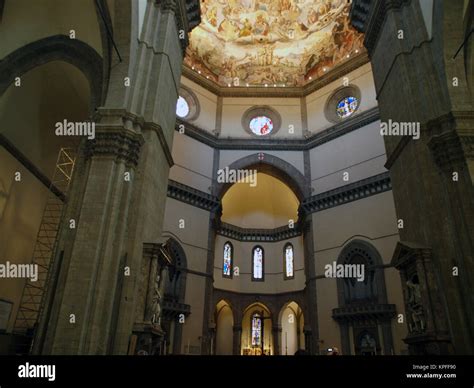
point(271, 42)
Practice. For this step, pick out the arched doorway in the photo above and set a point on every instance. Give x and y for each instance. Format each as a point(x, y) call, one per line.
point(257, 336)
point(175, 309)
point(224, 328)
point(292, 324)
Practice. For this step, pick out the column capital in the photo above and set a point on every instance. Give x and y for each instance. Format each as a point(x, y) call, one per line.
point(121, 144)
point(368, 16)
point(187, 14)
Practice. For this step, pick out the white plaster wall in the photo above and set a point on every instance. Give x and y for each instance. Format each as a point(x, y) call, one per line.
point(295, 158)
point(208, 105)
point(234, 108)
point(192, 162)
point(25, 21)
point(315, 102)
point(361, 153)
point(371, 219)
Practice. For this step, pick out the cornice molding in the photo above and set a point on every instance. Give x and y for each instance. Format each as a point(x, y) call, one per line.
point(192, 196)
point(451, 139)
point(368, 16)
point(258, 235)
point(187, 15)
point(362, 189)
point(163, 142)
point(352, 123)
point(123, 145)
point(364, 312)
point(270, 91)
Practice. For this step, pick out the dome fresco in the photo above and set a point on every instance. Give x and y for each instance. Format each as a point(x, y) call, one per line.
point(271, 42)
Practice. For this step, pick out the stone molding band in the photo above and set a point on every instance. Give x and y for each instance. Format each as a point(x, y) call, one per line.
point(123, 145)
point(353, 123)
point(352, 192)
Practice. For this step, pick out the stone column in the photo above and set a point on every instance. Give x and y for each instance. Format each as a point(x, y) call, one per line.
point(310, 291)
point(345, 338)
point(237, 339)
point(418, 81)
point(214, 218)
point(277, 346)
point(118, 199)
point(308, 340)
point(387, 337)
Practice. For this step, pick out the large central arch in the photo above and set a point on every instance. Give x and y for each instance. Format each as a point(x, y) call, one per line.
point(271, 165)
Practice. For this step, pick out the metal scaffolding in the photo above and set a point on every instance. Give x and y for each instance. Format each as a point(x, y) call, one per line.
point(32, 300)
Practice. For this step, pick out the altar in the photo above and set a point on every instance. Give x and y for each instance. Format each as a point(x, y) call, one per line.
point(256, 352)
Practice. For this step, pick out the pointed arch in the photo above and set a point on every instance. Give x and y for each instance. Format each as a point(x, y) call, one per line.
point(273, 166)
point(56, 48)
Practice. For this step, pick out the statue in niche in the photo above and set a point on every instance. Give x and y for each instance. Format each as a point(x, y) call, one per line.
point(414, 306)
point(156, 301)
point(367, 341)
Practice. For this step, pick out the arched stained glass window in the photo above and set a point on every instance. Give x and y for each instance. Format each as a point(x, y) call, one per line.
point(261, 125)
point(289, 261)
point(182, 107)
point(257, 263)
point(227, 263)
point(347, 106)
point(256, 330)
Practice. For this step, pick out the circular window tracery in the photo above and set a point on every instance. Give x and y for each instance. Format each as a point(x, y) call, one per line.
point(187, 105)
point(347, 106)
point(343, 103)
point(261, 121)
point(261, 125)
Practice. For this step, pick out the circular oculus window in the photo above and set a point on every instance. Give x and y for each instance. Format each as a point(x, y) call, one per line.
point(182, 107)
point(261, 125)
point(261, 121)
point(347, 106)
point(342, 104)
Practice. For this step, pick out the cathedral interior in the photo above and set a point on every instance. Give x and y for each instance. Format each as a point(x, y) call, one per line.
point(236, 177)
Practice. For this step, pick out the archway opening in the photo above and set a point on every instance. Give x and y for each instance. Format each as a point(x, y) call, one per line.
point(224, 328)
point(292, 324)
point(266, 202)
point(257, 336)
point(30, 110)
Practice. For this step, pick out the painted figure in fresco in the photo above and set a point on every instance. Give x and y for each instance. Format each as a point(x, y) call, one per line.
point(229, 29)
point(246, 29)
point(261, 25)
point(212, 16)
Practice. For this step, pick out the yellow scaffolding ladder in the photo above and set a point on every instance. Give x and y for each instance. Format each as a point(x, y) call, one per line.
point(32, 300)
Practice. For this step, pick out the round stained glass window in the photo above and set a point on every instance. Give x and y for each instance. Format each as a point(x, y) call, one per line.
point(182, 107)
point(261, 125)
point(347, 106)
